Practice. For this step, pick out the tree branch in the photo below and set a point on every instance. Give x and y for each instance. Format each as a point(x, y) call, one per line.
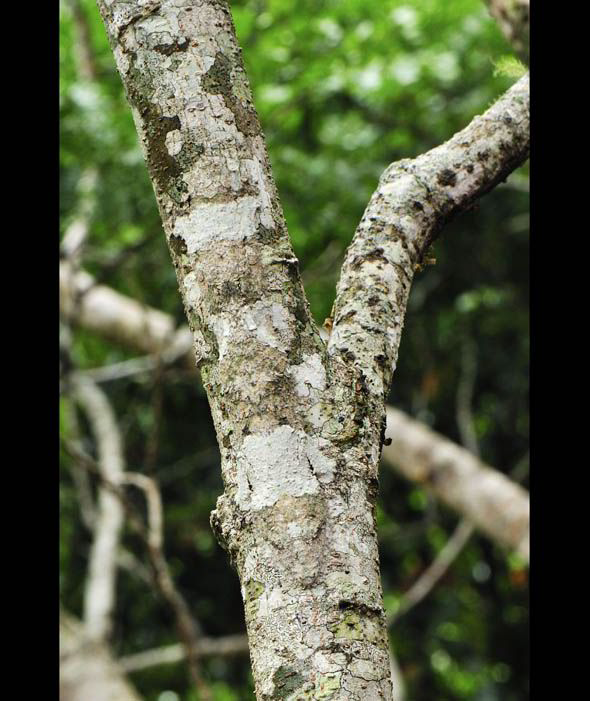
point(495, 504)
point(282, 409)
point(115, 316)
point(463, 531)
point(99, 594)
point(188, 628)
point(407, 454)
point(428, 579)
point(225, 646)
point(413, 201)
point(298, 429)
point(84, 57)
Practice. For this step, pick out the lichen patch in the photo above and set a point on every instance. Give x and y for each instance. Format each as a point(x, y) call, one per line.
point(284, 462)
point(218, 221)
point(310, 374)
point(174, 141)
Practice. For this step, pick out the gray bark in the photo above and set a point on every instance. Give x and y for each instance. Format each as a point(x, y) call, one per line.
point(299, 425)
point(414, 449)
point(414, 200)
point(299, 449)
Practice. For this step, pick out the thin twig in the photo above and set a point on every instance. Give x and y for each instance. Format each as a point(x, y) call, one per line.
point(123, 369)
point(225, 646)
point(81, 479)
point(464, 530)
point(431, 576)
point(188, 628)
point(99, 594)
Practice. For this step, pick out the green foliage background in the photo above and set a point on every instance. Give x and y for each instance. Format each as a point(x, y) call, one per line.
point(343, 87)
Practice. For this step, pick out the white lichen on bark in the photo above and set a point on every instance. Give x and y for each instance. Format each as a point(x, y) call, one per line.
point(299, 428)
point(413, 446)
point(299, 444)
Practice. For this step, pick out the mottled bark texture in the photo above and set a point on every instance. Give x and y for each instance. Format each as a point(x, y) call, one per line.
point(299, 428)
point(87, 671)
point(513, 17)
point(491, 501)
point(298, 439)
point(413, 201)
point(416, 452)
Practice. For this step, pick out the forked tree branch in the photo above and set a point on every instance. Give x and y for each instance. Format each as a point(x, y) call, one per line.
point(411, 455)
point(299, 429)
point(413, 201)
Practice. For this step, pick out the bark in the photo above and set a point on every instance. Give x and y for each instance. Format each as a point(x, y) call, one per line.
point(299, 428)
point(413, 201)
point(410, 453)
point(86, 670)
point(491, 501)
point(298, 441)
point(513, 17)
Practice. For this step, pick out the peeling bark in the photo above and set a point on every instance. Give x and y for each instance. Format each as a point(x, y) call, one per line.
point(299, 428)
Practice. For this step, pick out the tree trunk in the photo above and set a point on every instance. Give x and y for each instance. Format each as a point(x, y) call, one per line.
point(299, 440)
point(493, 501)
point(299, 424)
